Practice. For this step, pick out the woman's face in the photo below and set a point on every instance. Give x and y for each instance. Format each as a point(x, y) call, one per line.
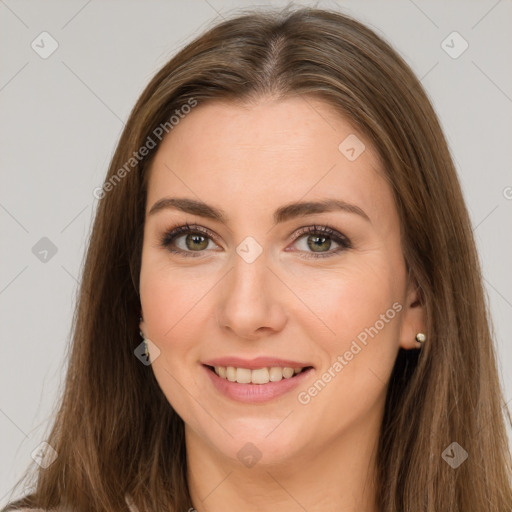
point(250, 288)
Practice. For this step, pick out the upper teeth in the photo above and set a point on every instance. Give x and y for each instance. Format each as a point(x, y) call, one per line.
point(259, 376)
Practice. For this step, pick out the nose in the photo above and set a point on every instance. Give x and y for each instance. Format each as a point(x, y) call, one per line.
point(251, 305)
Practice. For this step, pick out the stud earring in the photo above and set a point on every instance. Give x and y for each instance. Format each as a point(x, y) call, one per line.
point(420, 338)
point(146, 348)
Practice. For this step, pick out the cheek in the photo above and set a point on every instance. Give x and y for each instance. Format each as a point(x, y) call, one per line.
point(171, 296)
point(362, 306)
point(171, 305)
point(351, 298)
point(370, 345)
point(176, 303)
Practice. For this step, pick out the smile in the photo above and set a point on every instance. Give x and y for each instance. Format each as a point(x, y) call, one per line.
point(255, 385)
point(256, 376)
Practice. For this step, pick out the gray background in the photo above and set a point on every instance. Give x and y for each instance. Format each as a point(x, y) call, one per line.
point(61, 118)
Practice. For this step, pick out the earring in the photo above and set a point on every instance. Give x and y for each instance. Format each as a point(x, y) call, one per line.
point(420, 338)
point(146, 348)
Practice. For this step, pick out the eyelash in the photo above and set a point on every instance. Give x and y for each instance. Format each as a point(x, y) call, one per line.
point(170, 235)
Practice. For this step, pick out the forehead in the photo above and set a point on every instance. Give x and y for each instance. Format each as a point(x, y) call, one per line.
point(263, 155)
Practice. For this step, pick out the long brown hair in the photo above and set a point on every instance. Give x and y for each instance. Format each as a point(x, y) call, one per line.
point(115, 432)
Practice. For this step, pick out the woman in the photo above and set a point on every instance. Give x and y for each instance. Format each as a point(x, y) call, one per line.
point(283, 226)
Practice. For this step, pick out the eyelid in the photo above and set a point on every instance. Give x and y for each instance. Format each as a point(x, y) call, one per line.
point(339, 238)
point(323, 229)
point(172, 233)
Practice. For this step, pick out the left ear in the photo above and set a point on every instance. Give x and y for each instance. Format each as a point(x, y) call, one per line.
point(413, 316)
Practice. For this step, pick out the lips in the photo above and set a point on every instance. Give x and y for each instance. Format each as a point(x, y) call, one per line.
point(254, 364)
point(256, 393)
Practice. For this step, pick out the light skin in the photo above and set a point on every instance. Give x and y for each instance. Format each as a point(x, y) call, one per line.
point(250, 161)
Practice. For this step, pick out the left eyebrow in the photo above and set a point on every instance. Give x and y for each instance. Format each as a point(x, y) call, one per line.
point(282, 214)
point(300, 209)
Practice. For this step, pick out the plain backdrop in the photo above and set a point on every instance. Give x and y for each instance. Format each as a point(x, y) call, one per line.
point(62, 114)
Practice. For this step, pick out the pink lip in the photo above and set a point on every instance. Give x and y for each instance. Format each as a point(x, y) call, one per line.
point(253, 364)
point(255, 393)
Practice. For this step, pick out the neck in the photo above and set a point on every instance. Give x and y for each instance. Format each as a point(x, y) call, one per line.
point(340, 477)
